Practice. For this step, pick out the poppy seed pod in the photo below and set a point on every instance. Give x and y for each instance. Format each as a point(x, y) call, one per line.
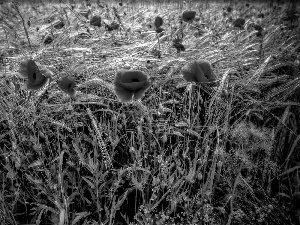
point(179, 47)
point(36, 74)
point(149, 26)
point(131, 84)
point(95, 21)
point(59, 24)
point(67, 85)
point(158, 22)
point(188, 16)
point(159, 30)
point(239, 22)
point(198, 71)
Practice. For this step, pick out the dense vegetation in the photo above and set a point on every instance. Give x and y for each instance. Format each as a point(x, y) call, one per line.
point(149, 113)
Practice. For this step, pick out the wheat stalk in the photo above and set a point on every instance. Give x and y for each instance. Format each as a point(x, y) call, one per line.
point(105, 155)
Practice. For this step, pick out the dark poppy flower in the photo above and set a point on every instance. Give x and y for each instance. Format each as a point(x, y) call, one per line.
point(36, 74)
point(67, 85)
point(120, 4)
point(261, 15)
point(179, 47)
point(198, 71)
point(48, 40)
point(130, 84)
point(229, 9)
point(113, 26)
point(188, 16)
point(247, 4)
point(258, 27)
point(158, 22)
point(239, 22)
point(95, 21)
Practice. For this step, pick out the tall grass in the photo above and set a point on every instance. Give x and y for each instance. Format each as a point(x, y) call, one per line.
point(183, 154)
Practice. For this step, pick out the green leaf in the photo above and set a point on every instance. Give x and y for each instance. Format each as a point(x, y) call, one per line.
point(80, 216)
point(89, 182)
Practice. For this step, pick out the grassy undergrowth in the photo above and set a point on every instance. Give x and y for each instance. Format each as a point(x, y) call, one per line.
point(185, 153)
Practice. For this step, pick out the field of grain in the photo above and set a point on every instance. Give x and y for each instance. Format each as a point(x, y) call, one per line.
point(149, 112)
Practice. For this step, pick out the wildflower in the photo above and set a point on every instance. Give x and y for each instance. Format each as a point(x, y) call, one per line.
point(219, 164)
point(158, 22)
point(179, 47)
point(114, 118)
point(258, 27)
point(239, 22)
point(229, 9)
point(95, 21)
point(199, 176)
point(188, 16)
point(36, 74)
point(164, 138)
point(67, 84)
point(113, 26)
point(261, 15)
point(120, 4)
point(130, 84)
point(198, 71)
point(48, 40)
point(132, 150)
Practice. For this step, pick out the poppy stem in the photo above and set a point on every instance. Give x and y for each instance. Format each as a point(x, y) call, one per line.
point(190, 104)
point(158, 42)
point(16, 7)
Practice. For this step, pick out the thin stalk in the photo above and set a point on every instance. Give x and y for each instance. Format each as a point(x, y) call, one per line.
point(5, 35)
point(24, 26)
point(232, 198)
point(158, 42)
